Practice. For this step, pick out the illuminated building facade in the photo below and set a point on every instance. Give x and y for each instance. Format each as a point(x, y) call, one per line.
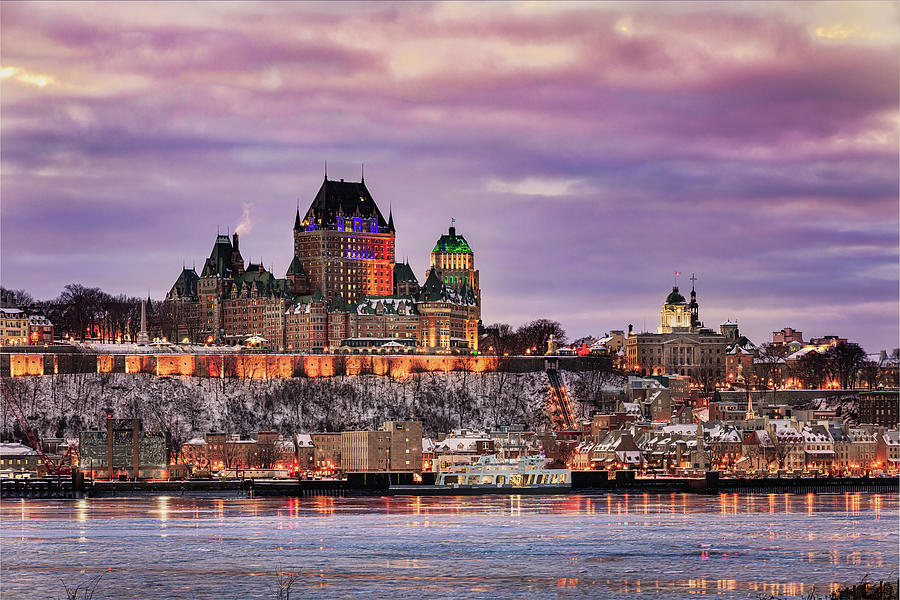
point(342, 291)
point(18, 328)
point(13, 327)
point(344, 242)
point(682, 345)
point(453, 262)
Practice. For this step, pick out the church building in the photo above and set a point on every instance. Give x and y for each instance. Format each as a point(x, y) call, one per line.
point(681, 346)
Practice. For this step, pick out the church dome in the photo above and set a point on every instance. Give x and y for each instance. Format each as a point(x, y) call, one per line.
point(675, 297)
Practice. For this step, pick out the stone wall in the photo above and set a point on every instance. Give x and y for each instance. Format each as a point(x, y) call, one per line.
point(264, 366)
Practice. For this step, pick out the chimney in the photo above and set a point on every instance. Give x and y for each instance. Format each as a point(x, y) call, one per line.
point(234, 241)
point(630, 329)
point(453, 231)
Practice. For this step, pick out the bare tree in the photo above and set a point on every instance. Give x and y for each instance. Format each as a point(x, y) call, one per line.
point(845, 361)
point(15, 297)
point(811, 369)
point(284, 583)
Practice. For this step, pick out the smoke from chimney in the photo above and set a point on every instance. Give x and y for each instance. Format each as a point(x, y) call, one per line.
point(246, 222)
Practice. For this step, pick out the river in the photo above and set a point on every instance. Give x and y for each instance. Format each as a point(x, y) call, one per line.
point(608, 546)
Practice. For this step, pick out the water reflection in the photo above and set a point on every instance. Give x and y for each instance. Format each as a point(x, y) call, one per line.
point(590, 546)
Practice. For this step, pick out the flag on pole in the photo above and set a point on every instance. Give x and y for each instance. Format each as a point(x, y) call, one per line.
point(677, 273)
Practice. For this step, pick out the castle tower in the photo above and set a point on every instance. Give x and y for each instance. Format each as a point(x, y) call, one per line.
point(453, 262)
point(344, 244)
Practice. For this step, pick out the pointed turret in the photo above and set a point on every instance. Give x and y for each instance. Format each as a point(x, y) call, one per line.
point(295, 269)
point(297, 221)
point(391, 221)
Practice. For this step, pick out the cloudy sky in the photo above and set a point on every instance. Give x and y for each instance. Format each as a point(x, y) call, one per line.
point(586, 151)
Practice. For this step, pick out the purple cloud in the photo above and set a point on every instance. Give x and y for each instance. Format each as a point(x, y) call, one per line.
point(586, 151)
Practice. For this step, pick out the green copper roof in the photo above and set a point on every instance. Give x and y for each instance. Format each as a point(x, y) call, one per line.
point(675, 297)
point(450, 242)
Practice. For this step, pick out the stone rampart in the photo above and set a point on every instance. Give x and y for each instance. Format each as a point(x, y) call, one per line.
point(261, 366)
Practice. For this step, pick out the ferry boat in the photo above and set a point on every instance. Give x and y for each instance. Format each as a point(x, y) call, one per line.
point(492, 472)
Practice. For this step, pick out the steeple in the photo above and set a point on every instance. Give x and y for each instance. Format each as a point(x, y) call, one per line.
point(695, 308)
point(297, 220)
point(750, 414)
point(391, 220)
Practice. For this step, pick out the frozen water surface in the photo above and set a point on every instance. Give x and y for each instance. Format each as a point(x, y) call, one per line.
point(613, 546)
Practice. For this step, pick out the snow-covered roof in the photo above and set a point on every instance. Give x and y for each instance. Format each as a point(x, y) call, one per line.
point(39, 320)
point(632, 408)
point(197, 441)
point(785, 431)
point(12, 312)
point(680, 429)
point(15, 449)
point(284, 445)
point(759, 437)
point(716, 431)
point(584, 448)
point(891, 437)
point(460, 443)
point(629, 457)
point(739, 350)
point(304, 440)
point(860, 435)
point(816, 434)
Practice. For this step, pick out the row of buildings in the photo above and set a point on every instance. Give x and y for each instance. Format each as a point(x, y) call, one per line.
point(765, 445)
point(20, 328)
point(723, 357)
point(343, 289)
point(395, 447)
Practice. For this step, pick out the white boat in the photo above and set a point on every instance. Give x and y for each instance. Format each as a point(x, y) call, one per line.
point(492, 472)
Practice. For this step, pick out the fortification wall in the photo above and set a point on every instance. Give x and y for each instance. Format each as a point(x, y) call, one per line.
point(259, 366)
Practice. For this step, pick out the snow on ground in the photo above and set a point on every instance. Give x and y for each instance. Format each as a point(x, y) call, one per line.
point(187, 407)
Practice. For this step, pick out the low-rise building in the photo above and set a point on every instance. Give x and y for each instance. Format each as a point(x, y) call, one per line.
point(888, 450)
point(13, 327)
point(854, 447)
point(123, 449)
point(40, 330)
point(788, 445)
point(18, 460)
point(880, 407)
point(306, 452)
point(819, 446)
point(327, 451)
point(365, 451)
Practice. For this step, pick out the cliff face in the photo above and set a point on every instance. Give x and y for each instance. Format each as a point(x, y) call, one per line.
point(64, 405)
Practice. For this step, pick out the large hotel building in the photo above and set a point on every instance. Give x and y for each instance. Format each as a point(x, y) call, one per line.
point(343, 290)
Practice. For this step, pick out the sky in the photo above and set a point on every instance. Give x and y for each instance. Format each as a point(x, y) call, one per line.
point(587, 151)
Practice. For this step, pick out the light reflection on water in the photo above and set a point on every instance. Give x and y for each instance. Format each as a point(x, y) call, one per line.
point(613, 546)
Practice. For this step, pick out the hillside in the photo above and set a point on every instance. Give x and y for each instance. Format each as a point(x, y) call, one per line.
point(63, 405)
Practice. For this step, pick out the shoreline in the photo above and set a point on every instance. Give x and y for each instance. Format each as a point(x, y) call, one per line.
point(582, 484)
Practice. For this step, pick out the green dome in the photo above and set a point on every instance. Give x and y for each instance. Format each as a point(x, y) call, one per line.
point(675, 297)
